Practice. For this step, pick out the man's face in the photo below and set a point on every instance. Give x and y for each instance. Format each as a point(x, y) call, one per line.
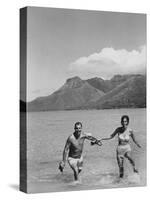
point(78, 128)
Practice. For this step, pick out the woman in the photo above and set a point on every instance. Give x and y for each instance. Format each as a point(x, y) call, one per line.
point(123, 149)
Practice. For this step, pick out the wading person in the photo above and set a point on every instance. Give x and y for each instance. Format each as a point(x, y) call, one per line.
point(73, 151)
point(123, 150)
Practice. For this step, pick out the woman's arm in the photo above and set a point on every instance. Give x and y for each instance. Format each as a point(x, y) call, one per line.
point(111, 136)
point(108, 138)
point(134, 140)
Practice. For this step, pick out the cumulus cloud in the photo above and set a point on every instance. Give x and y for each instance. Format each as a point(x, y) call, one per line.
point(109, 61)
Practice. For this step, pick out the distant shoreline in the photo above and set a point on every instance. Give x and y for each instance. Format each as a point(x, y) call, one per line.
point(85, 109)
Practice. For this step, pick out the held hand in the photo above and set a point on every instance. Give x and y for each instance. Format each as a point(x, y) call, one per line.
point(98, 142)
point(61, 166)
point(93, 142)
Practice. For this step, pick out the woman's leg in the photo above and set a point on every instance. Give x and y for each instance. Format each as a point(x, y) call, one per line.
point(128, 156)
point(120, 160)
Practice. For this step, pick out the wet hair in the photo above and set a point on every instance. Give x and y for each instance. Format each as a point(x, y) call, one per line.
point(122, 118)
point(77, 123)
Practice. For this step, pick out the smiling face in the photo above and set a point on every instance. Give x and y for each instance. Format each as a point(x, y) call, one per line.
point(125, 121)
point(78, 128)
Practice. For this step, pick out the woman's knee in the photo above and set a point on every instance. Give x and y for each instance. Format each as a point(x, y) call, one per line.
point(120, 158)
point(128, 156)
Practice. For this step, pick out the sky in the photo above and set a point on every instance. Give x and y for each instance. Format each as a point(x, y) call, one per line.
point(63, 43)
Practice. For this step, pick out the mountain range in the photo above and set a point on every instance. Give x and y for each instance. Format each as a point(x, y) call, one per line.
point(122, 91)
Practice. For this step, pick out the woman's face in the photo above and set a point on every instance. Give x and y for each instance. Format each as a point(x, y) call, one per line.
point(125, 122)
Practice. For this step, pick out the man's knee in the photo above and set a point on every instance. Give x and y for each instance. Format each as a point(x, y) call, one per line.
point(74, 168)
point(80, 165)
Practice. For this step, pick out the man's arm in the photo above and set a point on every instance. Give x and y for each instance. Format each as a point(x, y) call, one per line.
point(65, 154)
point(93, 140)
point(134, 140)
point(89, 136)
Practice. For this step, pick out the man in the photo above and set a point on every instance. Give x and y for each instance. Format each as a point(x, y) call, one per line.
point(74, 149)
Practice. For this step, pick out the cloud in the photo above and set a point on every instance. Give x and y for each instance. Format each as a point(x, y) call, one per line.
point(109, 61)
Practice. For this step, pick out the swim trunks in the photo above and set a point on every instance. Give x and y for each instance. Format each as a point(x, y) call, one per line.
point(76, 162)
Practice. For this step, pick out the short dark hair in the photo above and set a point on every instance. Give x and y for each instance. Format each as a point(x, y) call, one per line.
point(78, 123)
point(124, 116)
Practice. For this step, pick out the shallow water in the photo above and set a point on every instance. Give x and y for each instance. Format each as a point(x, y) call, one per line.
point(47, 133)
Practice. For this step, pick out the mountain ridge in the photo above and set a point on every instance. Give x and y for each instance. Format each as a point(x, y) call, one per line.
point(130, 93)
point(74, 93)
point(95, 93)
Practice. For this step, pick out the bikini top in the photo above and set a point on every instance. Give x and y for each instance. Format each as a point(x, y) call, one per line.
point(125, 136)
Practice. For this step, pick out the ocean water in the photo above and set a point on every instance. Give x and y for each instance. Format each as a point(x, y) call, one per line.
point(46, 136)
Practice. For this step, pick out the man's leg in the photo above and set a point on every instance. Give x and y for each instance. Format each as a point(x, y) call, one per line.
point(76, 174)
point(73, 164)
point(80, 164)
